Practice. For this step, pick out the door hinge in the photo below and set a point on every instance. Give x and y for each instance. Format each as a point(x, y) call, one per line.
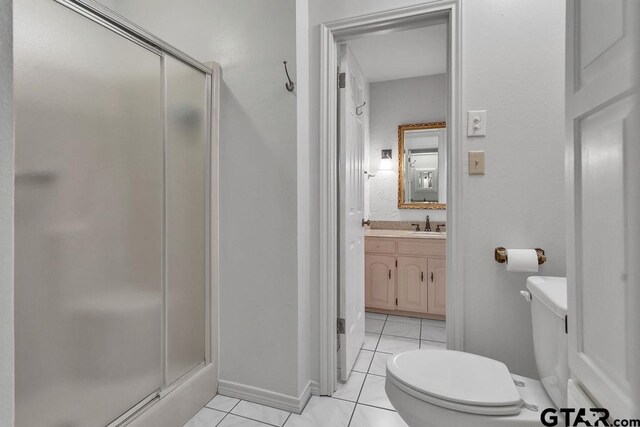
point(341, 326)
point(342, 80)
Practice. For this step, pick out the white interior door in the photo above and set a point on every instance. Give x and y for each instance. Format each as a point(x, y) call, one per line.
point(351, 215)
point(603, 158)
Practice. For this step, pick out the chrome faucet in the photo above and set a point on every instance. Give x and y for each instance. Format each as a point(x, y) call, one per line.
point(427, 224)
point(417, 226)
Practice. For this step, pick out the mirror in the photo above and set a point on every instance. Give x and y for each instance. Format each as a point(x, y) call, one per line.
point(422, 161)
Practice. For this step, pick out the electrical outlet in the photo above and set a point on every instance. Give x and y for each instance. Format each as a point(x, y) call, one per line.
point(477, 123)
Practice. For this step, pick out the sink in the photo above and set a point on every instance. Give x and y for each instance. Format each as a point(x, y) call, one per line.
point(430, 233)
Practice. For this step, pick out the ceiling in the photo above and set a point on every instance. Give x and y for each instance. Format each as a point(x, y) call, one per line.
point(400, 55)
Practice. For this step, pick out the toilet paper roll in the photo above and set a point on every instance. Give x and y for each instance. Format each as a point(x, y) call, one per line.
point(522, 260)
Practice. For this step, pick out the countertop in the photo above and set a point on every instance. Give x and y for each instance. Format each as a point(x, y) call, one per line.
point(407, 234)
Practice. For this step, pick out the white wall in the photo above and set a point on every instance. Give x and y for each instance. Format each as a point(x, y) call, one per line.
point(513, 66)
point(6, 215)
point(396, 102)
point(519, 79)
point(260, 298)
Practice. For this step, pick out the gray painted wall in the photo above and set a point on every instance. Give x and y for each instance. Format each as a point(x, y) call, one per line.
point(396, 102)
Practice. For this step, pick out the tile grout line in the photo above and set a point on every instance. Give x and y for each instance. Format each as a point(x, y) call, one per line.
point(380, 334)
point(287, 420)
point(258, 421)
point(365, 375)
point(358, 398)
point(247, 418)
point(220, 422)
point(377, 407)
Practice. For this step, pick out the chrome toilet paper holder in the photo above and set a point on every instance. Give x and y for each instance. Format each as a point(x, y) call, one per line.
point(501, 255)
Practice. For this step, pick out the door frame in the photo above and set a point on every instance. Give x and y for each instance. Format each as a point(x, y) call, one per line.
point(333, 33)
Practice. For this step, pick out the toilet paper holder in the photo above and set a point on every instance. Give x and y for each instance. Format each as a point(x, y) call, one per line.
point(501, 255)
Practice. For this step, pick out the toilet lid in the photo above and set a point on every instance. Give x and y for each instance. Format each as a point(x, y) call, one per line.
point(460, 381)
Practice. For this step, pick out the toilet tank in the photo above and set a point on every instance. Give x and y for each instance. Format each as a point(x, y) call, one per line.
point(548, 314)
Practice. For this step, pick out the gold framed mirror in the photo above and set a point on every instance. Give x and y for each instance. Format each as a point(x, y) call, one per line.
point(422, 166)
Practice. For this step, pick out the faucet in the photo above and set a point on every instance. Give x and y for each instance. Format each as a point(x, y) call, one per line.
point(427, 224)
point(417, 226)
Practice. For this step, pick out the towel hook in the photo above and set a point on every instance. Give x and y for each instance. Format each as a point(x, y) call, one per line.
point(290, 85)
point(359, 108)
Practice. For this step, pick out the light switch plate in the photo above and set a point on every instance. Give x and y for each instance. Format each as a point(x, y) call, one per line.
point(476, 162)
point(477, 123)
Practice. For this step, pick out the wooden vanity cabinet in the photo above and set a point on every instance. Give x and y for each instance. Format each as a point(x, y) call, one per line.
point(437, 299)
point(380, 280)
point(406, 276)
point(412, 286)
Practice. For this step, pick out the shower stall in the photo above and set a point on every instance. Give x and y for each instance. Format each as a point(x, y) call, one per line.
point(112, 215)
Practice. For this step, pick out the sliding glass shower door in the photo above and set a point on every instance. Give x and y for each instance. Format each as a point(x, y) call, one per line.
point(110, 219)
point(186, 161)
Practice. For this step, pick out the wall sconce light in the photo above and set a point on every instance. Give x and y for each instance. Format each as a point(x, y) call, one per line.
point(385, 161)
point(385, 164)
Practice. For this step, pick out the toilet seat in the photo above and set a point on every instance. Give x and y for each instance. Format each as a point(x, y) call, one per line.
point(455, 380)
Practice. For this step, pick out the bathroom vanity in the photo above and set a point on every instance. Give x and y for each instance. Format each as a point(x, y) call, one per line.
point(405, 273)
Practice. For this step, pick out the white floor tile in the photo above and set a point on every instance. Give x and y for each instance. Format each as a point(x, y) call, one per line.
point(406, 330)
point(351, 389)
point(373, 326)
point(433, 333)
point(379, 364)
point(261, 413)
point(370, 341)
point(222, 403)
point(433, 344)
point(363, 361)
point(393, 345)
point(373, 393)
point(375, 316)
point(431, 322)
point(323, 412)
point(206, 418)
point(234, 421)
point(403, 319)
point(366, 416)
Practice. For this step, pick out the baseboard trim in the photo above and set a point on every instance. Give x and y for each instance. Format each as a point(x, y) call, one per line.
point(267, 397)
point(182, 403)
point(315, 388)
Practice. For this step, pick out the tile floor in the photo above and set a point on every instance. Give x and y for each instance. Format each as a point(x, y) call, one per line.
point(360, 402)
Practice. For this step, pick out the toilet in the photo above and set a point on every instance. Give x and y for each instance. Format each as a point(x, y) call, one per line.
point(447, 388)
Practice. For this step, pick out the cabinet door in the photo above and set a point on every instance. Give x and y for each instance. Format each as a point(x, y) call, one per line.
point(437, 286)
point(412, 284)
point(380, 281)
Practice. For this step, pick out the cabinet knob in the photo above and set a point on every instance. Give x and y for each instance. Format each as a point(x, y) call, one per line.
point(367, 222)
